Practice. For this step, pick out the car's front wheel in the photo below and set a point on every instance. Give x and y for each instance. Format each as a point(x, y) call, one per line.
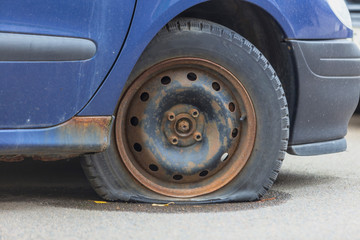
point(204, 118)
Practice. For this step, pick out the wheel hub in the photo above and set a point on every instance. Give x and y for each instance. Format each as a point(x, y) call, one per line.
point(181, 127)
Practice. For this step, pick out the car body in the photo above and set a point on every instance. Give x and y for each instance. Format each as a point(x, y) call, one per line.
point(354, 9)
point(66, 64)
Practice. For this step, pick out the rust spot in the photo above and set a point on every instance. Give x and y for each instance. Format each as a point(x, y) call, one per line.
point(12, 158)
point(77, 136)
point(55, 157)
point(215, 106)
point(86, 129)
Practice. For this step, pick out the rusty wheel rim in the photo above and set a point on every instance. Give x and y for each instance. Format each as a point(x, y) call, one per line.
point(185, 127)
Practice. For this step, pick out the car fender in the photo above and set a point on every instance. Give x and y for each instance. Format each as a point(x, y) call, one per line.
point(318, 22)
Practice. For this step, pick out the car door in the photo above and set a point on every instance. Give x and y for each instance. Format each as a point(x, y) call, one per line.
point(54, 55)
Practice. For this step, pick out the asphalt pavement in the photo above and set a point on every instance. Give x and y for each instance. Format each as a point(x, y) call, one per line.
point(313, 198)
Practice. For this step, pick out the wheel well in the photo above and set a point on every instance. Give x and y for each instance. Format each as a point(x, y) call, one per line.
point(260, 29)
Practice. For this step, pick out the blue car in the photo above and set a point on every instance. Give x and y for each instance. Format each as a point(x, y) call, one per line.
point(174, 100)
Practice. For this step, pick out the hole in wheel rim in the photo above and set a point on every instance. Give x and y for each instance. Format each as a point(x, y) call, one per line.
point(231, 107)
point(137, 147)
point(224, 157)
point(144, 96)
point(203, 173)
point(216, 86)
point(165, 80)
point(153, 167)
point(191, 76)
point(177, 177)
point(134, 121)
point(234, 132)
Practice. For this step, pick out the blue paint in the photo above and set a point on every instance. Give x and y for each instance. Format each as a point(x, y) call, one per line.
point(300, 19)
point(43, 94)
point(305, 19)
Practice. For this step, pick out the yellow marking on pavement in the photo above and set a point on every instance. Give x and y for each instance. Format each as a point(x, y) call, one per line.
point(162, 205)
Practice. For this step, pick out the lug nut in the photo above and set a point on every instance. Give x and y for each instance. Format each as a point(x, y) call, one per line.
point(171, 116)
point(174, 140)
point(194, 113)
point(197, 136)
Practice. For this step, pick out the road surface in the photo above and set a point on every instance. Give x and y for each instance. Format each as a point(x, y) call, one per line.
point(313, 198)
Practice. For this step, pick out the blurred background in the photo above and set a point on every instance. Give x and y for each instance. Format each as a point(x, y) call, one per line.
point(354, 8)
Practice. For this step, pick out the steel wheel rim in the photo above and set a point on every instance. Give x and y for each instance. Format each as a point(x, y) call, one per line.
point(134, 138)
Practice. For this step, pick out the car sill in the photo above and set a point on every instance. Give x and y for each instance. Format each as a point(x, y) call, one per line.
point(77, 136)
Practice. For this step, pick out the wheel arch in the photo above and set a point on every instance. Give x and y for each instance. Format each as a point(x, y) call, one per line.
point(185, 37)
point(254, 21)
point(262, 30)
